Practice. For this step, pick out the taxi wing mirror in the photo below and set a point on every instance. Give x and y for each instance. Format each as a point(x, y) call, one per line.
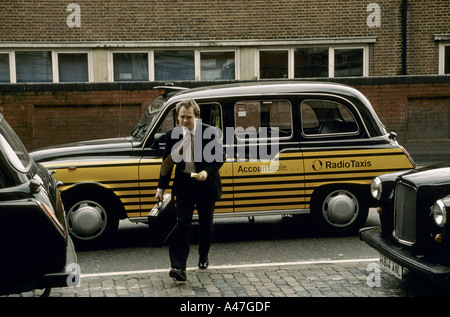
point(393, 136)
point(159, 141)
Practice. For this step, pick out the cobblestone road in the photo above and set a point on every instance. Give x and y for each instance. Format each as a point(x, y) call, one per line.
point(327, 279)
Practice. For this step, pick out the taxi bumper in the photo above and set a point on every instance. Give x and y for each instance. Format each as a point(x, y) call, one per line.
point(70, 276)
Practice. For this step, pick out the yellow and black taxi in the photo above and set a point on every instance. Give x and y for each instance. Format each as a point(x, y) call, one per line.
point(36, 249)
point(414, 211)
point(291, 148)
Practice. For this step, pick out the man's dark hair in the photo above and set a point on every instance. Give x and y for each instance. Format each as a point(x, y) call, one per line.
point(187, 104)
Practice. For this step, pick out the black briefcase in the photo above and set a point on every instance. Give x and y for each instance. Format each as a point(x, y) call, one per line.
point(162, 221)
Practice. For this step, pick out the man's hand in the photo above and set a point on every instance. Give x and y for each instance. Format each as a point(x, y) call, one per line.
point(159, 195)
point(202, 176)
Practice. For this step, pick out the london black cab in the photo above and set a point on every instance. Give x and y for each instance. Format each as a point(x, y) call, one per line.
point(291, 147)
point(414, 211)
point(36, 249)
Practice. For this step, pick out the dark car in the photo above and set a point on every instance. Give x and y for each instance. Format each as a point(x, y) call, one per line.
point(292, 148)
point(36, 250)
point(414, 211)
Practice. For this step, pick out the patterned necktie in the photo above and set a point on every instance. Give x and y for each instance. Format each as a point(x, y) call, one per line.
point(189, 161)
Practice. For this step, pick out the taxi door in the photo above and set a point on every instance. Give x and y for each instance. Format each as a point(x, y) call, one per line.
point(268, 174)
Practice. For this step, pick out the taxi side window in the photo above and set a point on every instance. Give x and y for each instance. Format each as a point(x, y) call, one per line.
point(210, 113)
point(325, 117)
point(263, 118)
point(169, 122)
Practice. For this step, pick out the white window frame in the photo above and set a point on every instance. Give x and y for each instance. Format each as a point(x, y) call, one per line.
point(12, 65)
point(290, 52)
point(150, 59)
point(442, 47)
point(331, 50)
point(197, 61)
point(13, 62)
point(55, 63)
point(311, 46)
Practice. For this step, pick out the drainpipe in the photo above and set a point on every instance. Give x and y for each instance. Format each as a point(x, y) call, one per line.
point(404, 35)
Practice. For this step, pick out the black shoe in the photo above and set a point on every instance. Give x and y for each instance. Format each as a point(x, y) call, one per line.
point(203, 264)
point(178, 274)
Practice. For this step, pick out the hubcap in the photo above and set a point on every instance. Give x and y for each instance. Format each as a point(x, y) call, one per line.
point(340, 208)
point(87, 220)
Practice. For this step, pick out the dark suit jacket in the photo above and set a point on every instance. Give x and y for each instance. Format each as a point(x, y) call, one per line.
point(212, 186)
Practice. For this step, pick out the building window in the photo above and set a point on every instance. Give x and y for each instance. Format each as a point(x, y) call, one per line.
point(444, 53)
point(310, 62)
point(313, 62)
point(174, 65)
point(273, 64)
point(348, 62)
point(130, 66)
point(4, 68)
point(34, 66)
point(447, 59)
point(73, 67)
point(217, 65)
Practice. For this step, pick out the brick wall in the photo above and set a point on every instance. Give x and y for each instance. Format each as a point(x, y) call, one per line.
point(425, 19)
point(43, 116)
point(416, 108)
point(45, 21)
point(146, 20)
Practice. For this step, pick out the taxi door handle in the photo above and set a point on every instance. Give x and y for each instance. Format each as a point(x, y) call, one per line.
point(244, 156)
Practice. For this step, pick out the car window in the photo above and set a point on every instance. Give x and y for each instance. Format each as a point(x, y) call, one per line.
point(210, 113)
point(148, 118)
point(13, 149)
point(325, 117)
point(263, 118)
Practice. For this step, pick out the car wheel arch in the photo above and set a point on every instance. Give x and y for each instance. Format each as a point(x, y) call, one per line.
point(97, 189)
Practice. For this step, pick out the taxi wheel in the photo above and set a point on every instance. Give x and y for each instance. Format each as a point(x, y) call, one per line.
point(91, 221)
point(340, 210)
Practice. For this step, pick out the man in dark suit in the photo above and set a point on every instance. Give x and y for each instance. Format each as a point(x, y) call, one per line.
point(197, 152)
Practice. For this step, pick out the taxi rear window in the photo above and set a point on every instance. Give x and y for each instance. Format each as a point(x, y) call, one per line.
point(263, 118)
point(325, 117)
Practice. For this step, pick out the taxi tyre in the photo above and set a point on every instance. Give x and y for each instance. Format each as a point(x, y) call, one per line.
point(91, 219)
point(340, 210)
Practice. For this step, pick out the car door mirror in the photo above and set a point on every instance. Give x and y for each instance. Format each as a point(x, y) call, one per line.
point(159, 141)
point(35, 186)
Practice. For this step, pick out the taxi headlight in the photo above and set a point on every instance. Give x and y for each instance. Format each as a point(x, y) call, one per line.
point(440, 213)
point(375, 188)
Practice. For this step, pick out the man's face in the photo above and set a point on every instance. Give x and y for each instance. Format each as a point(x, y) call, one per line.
point(186, 117)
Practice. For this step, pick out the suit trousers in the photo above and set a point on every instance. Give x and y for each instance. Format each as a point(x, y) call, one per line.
point(186, 200)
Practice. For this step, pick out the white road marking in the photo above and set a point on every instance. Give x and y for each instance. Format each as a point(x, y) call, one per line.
point(219, 267)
